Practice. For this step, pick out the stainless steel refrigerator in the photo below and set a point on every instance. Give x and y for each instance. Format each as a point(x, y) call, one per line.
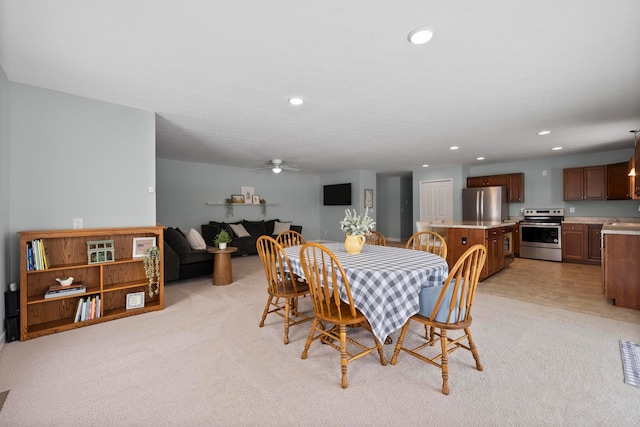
point(485, 204)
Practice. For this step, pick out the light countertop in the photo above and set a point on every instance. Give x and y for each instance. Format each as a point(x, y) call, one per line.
point(621, 228)
point(474, 224)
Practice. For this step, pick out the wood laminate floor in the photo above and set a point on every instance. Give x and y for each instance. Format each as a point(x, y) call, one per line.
point(575, 287)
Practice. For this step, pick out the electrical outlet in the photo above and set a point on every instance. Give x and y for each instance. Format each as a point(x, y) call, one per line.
point(638, 208)
point(572, 210)
point(77, 223)
point(544, 173)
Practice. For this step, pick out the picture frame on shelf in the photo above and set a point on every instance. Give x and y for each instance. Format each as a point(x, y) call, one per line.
point(368, 198)
point(141, 244)
point(135, 300)
point(237, 198)
point(247, 192)
point(255, 199)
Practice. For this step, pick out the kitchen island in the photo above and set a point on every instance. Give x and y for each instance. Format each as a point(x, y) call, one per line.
point(621, 263)
point(496, 236)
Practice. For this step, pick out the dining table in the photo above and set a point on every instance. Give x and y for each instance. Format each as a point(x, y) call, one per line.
point(385, 281)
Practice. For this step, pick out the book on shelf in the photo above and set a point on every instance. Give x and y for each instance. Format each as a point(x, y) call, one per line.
point(88, 308)
point(36, 255)
point(57, 292)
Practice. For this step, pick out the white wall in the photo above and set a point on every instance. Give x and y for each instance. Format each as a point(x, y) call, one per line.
point(5, 230)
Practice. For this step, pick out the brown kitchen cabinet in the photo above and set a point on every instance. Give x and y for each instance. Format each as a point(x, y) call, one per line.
point(618, 182)
point(621, 269)
point(585, 183)
point(461, 239)
point(513, 181)
point(581, 243)
point(635, 163)
point(516, 239)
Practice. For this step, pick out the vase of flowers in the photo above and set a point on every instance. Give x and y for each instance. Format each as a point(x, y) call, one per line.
point(356, 227)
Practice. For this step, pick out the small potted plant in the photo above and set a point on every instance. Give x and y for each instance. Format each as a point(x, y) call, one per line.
point(222, 238)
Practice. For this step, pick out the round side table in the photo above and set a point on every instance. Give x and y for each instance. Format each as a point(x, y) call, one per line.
point(222, 274)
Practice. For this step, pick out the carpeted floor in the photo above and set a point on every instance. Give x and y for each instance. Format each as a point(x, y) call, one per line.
point(204, 361)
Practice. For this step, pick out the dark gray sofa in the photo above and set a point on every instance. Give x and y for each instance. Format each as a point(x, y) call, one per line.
point(245, 245)
point(182, 262)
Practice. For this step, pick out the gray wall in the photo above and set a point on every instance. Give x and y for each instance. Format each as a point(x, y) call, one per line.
point(4, 196)
point(541, 191)
point(72, 157)
point(184, 188)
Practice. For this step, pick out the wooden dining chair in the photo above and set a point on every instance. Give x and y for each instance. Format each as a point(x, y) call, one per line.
point(290, 238)
point(446, 308)
point(428, 241)
point(376, 238)
point(327, 282)
point(280, 285)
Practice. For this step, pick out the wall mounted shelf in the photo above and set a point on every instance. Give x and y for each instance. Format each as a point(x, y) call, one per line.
point(243, 204)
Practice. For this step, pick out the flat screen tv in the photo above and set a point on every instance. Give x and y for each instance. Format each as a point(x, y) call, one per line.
point(337, 195)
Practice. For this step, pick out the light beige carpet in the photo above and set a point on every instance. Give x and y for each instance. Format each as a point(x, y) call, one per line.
point(204, 361)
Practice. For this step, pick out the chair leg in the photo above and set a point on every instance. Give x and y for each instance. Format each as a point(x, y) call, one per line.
point(343, 355)
point(287, 313)
point(444, 362)
point(404, 330)
point(383, 360)
point(474, 350)
point(266, 310)
point(309, 338)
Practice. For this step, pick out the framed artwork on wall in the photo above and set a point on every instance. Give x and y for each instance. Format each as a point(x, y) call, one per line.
point(368, 198)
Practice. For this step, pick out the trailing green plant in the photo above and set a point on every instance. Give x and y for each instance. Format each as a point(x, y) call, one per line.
point(263, 207)
point(222, 237)
point(229, 206)
point(151, 261)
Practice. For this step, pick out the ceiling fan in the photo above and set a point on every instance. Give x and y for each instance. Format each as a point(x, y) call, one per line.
point(277, 166)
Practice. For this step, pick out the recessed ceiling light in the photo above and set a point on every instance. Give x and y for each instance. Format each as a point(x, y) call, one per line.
point(425, 166)
point(453, 148)
point(420, 36)
point(544, 132)
point(556, 148)
point(480, 158)
point(296, 101)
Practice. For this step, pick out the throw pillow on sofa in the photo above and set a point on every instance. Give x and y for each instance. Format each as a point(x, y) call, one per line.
point(195, 240)
point(177, 241)
point(239, 230)
point(254, 228)
point(280, 227)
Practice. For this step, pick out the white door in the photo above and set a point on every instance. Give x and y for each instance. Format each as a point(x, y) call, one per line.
point(436, 201)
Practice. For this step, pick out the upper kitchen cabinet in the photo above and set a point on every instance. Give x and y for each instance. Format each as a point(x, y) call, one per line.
point(618, 182)
point(587, 183)
point(513, 181)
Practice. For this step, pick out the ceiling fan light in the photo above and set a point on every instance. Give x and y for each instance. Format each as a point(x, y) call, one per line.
point(276, 169)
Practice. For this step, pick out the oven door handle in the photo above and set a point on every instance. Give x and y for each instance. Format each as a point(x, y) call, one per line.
point(540, 224)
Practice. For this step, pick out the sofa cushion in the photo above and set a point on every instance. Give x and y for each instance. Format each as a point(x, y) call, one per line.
point(195, 240)
point(196, 256)
point(280, 227)
point(239, 230)
point(177, 241)
point(254, 228)
point(268, 226)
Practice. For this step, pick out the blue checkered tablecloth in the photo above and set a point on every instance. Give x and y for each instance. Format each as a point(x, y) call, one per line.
point(385, 281)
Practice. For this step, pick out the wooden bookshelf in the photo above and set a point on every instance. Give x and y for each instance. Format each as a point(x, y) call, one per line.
point(66, 252)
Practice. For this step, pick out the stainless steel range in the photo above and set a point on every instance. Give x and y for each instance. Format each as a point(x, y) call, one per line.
point(541, 234)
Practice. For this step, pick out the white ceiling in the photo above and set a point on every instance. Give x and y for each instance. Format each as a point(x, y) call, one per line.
point(219, 73)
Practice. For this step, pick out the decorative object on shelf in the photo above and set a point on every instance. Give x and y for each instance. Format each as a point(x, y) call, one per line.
point(356, 226)
point(151, 260)
point(222, 238)
point(247, 192)
point(100, 251)
point(368, 198)
point(237, 198)
point(141, 245)
point(65, 281)
point(135, 300)
point(255, 199)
